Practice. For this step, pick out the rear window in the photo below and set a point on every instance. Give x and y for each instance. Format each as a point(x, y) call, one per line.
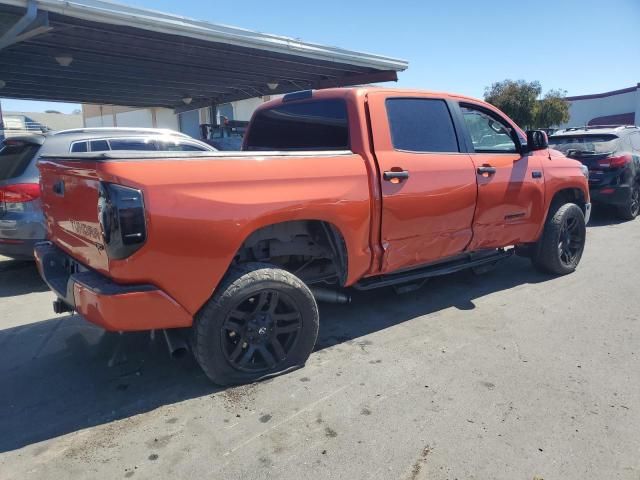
point(79, 147)
point(584, 144)
point(421, 125)
point(15, 158)
point(318, 125)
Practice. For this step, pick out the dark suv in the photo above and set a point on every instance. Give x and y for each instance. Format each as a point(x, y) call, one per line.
point(21, 220)
point(612, 155)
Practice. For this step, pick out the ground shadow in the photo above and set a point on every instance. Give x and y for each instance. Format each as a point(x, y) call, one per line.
point(56, 378)
point(604, 215)
point(19, 278)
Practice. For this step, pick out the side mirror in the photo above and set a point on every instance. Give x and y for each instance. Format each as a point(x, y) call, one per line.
point(537, 140)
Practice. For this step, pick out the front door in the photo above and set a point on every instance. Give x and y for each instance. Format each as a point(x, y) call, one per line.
point(510, 185)
point(428, 186)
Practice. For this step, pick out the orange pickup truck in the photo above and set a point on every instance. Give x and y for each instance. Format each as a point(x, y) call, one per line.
point(354, 187)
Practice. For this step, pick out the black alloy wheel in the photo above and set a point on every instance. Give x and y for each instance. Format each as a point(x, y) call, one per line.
point(258, 334)
point(571, 241)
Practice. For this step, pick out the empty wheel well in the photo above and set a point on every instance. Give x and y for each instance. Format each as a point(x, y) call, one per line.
point(313, 250)
point(569, 195)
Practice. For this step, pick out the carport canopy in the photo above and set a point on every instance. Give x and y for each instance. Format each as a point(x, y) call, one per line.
point(101, 52)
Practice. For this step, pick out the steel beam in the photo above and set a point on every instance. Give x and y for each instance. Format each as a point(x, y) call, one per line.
point(31, 24)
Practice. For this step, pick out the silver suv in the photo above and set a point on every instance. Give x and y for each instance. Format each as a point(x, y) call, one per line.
point(21, 220)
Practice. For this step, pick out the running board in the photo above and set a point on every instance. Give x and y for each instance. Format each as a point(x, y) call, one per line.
point(470, 260)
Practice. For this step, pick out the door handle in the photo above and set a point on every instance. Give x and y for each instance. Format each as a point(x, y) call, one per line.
point(399, 175)
point(486, 169)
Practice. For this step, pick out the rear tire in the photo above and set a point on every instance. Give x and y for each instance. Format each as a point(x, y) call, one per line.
point(261, 322)
point(632, 209)
point(560, 248)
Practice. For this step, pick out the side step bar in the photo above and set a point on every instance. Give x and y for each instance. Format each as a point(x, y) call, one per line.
point(470, 260)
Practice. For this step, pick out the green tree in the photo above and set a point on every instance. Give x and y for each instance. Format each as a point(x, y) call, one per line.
point(516, 98)
point(522, 101)
point(552, 109)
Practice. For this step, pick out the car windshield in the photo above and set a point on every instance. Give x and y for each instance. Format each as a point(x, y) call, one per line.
point(584, 144)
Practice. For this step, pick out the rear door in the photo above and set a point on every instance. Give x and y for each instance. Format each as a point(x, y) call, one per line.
point(428, 186)
point(510, 185)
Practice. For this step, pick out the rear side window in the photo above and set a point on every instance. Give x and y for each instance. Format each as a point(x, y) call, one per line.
point(421, 125)
point(319, 125)
point(79, 147)
point(15, 158)
point(132, 144)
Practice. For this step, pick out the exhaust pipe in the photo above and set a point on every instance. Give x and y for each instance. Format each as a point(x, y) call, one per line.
point(330, 296)
point(176, 343)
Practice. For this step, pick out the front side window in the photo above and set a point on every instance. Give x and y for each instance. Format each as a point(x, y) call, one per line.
point(488, 134)
point(421, 125)
point(168, 146)
point(139, 144)
point(315, 125)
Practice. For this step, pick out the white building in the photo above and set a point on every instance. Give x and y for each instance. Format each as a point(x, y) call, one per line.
point(619, 107)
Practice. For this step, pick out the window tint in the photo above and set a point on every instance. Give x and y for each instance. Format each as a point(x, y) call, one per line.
point(421, 125)
point(14, 159)
point(488, 134)
point(99, 146)
point(79, 147)
point(178, 147)
point(132, 144)
point(319, 125)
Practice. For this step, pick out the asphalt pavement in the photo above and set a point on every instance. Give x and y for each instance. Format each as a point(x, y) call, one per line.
point(509, 375)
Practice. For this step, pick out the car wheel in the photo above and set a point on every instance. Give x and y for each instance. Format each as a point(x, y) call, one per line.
point(632, 209)
point(261, 322)
point(560, 248)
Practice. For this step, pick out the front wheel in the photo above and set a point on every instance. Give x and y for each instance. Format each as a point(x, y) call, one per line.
point(262, 321)
point(632, 209)
point(560, 248)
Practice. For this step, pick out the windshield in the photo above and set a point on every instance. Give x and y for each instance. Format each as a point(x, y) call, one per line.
point(584, 144)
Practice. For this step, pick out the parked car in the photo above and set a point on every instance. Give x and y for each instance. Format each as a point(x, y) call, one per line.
point(21, 221)
point(612, 155)
point(355, 187)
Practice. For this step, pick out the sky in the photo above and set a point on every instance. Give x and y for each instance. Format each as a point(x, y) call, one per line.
point(463, 46)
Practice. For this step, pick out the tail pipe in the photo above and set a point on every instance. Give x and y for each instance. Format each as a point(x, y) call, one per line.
point(330, 296)
point(176, 343)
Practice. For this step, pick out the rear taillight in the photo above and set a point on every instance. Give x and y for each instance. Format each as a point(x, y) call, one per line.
point(20, 193)
point(615, 162)
point(122, 220)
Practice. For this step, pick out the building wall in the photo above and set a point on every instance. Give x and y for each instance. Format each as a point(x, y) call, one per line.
point(583, 109)
point(188, 122)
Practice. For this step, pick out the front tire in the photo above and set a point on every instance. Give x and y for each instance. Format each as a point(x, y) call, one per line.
point(262, 321)
point(560, 248)
point(632, 209)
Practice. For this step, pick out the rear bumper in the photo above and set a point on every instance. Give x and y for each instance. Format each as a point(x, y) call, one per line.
point(101, 301)
point(618, 195)
point(17, 248)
